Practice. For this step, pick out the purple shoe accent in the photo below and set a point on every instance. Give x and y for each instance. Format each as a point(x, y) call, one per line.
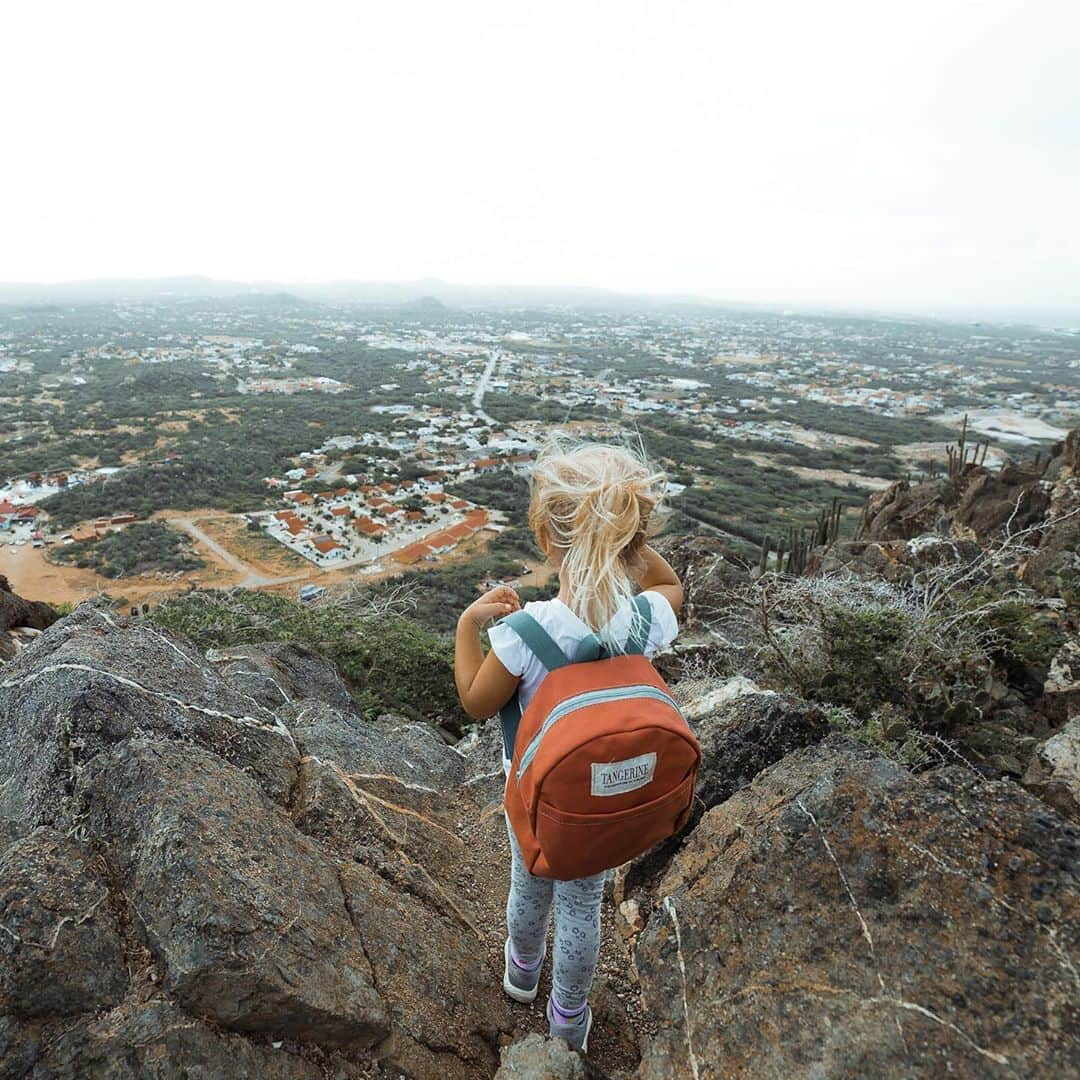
point(518, 962)
point(576, 1032)
point(520, 983)
point(563, 1016)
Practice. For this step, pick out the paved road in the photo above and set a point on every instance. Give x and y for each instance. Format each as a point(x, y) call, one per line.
point(481, 387)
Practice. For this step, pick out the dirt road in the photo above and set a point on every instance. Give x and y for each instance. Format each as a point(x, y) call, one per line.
point(236, 562)
point(251, 578)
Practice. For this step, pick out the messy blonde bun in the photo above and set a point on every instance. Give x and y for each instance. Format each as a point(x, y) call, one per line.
point(594, 506)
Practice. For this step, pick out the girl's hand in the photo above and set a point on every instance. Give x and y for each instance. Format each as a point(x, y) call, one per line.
point(494, 604)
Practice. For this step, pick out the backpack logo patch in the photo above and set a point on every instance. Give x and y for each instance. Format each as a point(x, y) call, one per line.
point(618, 777)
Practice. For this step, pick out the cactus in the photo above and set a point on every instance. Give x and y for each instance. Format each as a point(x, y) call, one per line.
point(958, 455)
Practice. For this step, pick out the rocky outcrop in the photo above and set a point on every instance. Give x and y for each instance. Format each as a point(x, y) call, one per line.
point(92, 681)
point(244, 916)
point(745, 732)
point(706, 566)
point(278, 673)
point(903, 511)
point(1056, 565)
point(538, 1058)
point(988, 500)
point(841, 917)
point(975, 504)
point(748, 734)
point(159, 1040)
point(1054, 771)
point(194, 884)
point(61, 952)
point(214, 866)
point(20, 620)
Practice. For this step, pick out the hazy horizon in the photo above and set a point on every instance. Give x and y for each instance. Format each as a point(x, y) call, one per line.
point(839, 158)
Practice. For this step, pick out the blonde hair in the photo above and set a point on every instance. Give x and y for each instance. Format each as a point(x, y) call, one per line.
point(596, 505)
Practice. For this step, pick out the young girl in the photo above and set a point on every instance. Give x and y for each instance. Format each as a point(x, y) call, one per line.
point(590, 510)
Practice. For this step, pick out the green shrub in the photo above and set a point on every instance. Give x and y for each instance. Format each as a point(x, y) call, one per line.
point(390, 663)
point(141, 548)
point(866, 647)
point(1024, 636)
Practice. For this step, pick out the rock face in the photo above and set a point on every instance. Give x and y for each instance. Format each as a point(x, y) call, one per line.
point(279, 673)
point(745, 734)
point(159, 1040)
point(841, 917)
point(15, 611)
point(61, 952)
point(706, 566)
point(244, 916)
point(195, 885)
point(91, 681)
point(904, 511)
point(214, 867)
point(975, 504)
point(1057, 562)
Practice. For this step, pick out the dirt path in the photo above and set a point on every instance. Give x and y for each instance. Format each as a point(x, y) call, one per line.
point(250, 577)
point(32, 575)
point(615, 997)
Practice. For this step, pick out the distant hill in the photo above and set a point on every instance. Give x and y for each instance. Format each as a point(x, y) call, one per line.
point(425, 294)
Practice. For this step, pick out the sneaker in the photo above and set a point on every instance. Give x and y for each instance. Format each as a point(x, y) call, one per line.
point(577, 1033)
point(520, 983)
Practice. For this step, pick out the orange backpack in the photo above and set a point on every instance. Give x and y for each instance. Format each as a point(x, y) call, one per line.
point(603, 762)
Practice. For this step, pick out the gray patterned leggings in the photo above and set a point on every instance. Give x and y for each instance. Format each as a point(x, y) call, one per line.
point(577, 926)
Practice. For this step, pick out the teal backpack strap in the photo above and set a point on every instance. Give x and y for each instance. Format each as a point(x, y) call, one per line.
point(590, 647)
point(640, 626)
point(537, 640)
point(509, 719)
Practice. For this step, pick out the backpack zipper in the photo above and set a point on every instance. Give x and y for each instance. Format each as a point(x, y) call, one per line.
point(581, 701)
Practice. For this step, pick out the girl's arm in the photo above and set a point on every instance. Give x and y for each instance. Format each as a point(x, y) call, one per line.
point(657, 576)
point(484, 686)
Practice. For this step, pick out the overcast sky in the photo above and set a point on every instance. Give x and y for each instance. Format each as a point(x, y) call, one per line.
point(917, 155)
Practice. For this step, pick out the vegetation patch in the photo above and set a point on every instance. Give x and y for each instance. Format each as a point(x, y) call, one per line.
point(390, 663)
point(141, 548)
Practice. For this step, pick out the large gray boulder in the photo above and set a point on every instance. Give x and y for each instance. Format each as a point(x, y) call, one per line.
point(842, 917)
point(93, 680)
point(245, 916)
point(238, 891)
point(419, 755)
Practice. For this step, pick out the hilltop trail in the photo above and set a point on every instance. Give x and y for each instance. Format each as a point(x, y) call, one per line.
point(214, 864)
